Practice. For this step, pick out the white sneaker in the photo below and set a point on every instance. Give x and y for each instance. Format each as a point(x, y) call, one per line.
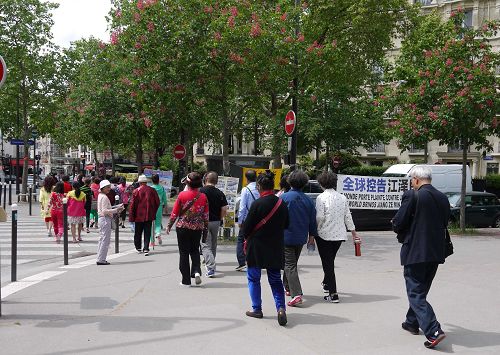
point(184, 285)
point(197, 279)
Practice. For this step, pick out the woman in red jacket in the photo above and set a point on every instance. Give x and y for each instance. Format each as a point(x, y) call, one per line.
point(191, 210)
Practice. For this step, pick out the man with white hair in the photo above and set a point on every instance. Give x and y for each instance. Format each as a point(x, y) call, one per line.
point(421, 224)
point(143, 207)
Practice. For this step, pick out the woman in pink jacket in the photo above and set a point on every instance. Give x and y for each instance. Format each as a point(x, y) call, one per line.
point(76, 211)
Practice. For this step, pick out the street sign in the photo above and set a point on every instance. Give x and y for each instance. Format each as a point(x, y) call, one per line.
point(3, 71)
point(290, 123)
point(21, 142)
point(179, 152)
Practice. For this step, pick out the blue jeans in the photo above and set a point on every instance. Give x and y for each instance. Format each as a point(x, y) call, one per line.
point(418, 279)
point(240, 254)
point(274, 278)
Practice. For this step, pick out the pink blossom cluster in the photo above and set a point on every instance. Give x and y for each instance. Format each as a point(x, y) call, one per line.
point(236, 58)
point(255, 31)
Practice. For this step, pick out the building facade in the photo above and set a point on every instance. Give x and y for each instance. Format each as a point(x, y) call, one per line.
point(477, 12)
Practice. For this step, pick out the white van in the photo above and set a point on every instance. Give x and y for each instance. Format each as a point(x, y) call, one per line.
point(445, 177)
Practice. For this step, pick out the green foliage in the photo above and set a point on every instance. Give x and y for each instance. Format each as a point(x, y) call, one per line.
point(347, 160)
point(493, 181)
point(168, 162)
point(365, 170)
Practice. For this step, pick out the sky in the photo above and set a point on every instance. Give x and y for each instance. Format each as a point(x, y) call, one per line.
point(75, 19)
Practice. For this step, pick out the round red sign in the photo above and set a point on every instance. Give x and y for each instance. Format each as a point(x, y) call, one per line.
point(179, 152)
point(3, 71)
point(290, 123)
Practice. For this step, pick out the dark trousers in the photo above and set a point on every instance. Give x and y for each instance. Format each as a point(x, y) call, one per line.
point(188, 241)
point(123, 213)
point(327, 252)
point(139, 228)
point(87, 217)
point(291, 279)
point(420, 314)
point(240, 254)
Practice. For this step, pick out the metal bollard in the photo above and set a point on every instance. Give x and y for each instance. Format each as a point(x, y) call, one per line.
point(117, 227)
point(4, 194)
point(65, 228)
point(10, 193)
point(13, 258)
point(1, 192)
point(30, 191)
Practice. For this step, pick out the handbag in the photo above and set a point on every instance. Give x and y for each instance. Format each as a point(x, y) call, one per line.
point(261, 224)
point(448, 245)
point(185, 209)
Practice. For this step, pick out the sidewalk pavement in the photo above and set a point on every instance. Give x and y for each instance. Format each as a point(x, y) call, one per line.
point(135, 305)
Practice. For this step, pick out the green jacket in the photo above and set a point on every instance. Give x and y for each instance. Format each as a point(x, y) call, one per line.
point(161, 194)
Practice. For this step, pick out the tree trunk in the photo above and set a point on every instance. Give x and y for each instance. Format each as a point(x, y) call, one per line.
point(256, 137)
point(327, 157)
point(225, 132)
point(139, 152)
point(113, 163)
point(465, 147)
point(426, 153)
point(26, 137)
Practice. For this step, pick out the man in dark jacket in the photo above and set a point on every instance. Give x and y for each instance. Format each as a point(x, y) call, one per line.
point(421, 224)
point(142, 212)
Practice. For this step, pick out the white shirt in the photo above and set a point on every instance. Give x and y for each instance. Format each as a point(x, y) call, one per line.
point(333, 216)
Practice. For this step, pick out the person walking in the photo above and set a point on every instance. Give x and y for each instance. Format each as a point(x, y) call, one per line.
point(284, 186)
point(93, 208)
point(143, 207)
point(421, 224)
point(67, 184)
point(191, 212)
point(217, 206)
point(44, 197)
point(163, 202)
point(76, 211)
point(125, 192)
point(55, 207)
point(333, 217)
point(302, 225)
point(263, 231)
point(248, 195)
point(105, 212)
point(88, 201)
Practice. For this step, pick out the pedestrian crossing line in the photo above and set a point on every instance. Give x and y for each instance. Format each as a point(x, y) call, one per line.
point(34, 252)
point(84, 263)
point(28, 281)
point(19, 261)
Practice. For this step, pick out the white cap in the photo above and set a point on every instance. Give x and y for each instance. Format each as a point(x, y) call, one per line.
point(103, 184)
point(142, 178)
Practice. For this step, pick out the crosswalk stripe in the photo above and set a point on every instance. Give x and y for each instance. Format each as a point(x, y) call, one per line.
point(19, 261)
point(34, 252)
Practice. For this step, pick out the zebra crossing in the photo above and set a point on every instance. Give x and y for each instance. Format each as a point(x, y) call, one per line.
point(34, 245)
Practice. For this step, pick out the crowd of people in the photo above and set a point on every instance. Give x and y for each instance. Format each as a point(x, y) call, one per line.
point(273, 229)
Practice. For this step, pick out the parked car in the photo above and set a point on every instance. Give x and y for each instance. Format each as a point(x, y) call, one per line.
point(482, 209)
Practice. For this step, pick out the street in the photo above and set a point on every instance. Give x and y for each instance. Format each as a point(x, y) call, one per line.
point(135, 305)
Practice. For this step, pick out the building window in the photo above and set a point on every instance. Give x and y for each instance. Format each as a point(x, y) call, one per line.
point(425, 2)
point(491, 168)
point(468, 18)
point(377, 148)
point(456, 147)
point(415, 149)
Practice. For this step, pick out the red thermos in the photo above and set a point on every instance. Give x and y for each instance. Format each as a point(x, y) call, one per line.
point(357, 248)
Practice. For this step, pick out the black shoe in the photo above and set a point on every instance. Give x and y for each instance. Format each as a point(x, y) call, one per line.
point(102, 263)
point(282, 317)
point(325, 288)
point(255, 314)
point(146, 252)
point(409, 328)
point(435, 339)
point(139, 251)
point(333, 298)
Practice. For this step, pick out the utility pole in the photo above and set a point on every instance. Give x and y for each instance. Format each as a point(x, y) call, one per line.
point(293, 150)
point(17, 150)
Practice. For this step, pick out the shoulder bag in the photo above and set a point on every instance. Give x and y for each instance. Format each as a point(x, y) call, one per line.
point(261, 224)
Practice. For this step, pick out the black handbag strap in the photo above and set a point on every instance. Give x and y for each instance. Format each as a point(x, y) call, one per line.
point(250, 192)
point(189, 205)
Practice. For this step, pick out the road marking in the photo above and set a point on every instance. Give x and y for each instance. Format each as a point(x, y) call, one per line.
point(19, 261)
point(84, 263)
point(28, 281)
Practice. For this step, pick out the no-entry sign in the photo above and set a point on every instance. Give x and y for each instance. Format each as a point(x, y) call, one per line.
point(3, 71)
point(179, 152)
point(290, 123)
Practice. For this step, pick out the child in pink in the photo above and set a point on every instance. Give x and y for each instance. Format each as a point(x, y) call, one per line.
point(55, 207)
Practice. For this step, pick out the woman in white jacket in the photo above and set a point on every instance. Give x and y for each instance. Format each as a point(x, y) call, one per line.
point(333, 217)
